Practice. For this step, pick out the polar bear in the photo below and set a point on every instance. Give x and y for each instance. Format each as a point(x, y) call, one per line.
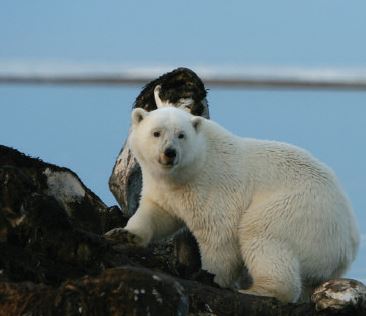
point(267, 205)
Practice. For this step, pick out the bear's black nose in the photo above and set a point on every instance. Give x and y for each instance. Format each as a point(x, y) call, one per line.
point(170, 153)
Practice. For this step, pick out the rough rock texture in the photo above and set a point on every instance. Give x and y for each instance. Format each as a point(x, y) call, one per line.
point(344, 295)
point(54, 260)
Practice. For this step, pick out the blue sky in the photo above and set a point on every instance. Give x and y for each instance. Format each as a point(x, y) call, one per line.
point(83, 128)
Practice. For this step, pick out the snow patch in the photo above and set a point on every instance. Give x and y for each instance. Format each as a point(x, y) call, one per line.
point(64, 187)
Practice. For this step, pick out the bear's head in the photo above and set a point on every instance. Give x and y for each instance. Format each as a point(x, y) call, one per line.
point(167, 140)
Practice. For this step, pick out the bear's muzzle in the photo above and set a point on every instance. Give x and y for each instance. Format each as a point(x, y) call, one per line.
point(168, 158)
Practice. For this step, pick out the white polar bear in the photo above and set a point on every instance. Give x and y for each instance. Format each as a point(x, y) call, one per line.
point(265, 204)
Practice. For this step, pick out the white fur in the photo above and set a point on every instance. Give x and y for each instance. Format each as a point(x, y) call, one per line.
point(265, 204)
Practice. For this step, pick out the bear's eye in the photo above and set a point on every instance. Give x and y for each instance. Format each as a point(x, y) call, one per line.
point(181, 136)
point(156, 134)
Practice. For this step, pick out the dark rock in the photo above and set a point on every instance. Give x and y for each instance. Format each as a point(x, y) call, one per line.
point(187, 253)
point(21, 175)
point(55, 262)
point(122, 291)
point(112, 217)
point(181, 83)
point(48, 221)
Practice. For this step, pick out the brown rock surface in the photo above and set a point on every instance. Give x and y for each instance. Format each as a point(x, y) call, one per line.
point(54, 260)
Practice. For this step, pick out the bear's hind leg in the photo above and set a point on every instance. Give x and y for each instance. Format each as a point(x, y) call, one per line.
point(275, 270)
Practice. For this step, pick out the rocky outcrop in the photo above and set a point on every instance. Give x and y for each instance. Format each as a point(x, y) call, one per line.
point(55, 261)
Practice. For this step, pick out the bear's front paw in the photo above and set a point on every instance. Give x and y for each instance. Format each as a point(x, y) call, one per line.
point(122, 236)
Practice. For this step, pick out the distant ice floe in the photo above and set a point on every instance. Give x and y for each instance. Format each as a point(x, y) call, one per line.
point(71, 71)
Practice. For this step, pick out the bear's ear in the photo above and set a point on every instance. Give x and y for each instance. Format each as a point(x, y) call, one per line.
point(197, 122)
point(138, 115)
